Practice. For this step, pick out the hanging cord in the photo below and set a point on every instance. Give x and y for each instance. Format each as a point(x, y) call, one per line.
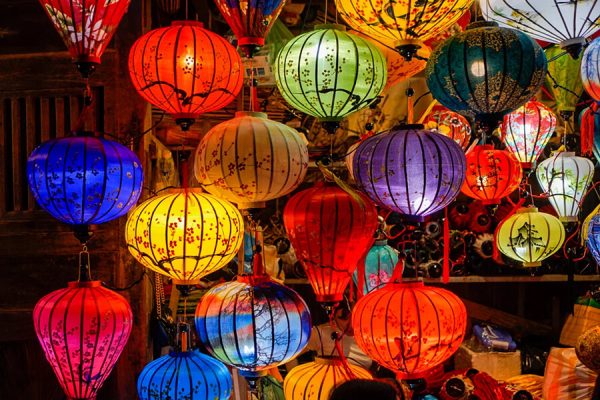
point(159, 291)
point(88, 101)
point(84, 265)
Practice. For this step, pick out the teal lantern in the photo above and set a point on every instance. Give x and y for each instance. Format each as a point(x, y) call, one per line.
point(379, 264)
point(329, 73)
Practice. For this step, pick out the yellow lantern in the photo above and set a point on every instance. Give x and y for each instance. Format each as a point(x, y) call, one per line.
point(530, 236)
point(315, 380)
point(184, 235)
point(250, 159)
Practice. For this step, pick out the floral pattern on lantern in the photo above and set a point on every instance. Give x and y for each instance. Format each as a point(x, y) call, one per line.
point(379, 264)
point(450, 124)
point(593, 237)
point(250, 159)
point(564, 79)
point(409, 327)
point(82, 329)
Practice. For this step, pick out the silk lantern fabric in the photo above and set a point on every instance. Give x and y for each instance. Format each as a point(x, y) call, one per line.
point(530, 236)
point(330, 231)
point(379, 264)
point(593, 237)
point(564, 79)
point(184, 235)
point(253, 324)
point(408, 327)
point(188, 375)
point(82, 329)
point(590, 73)
point(409, 170)
point(589, 126)
point(185, 70)
point(250, 159)
point(449, 123)
point(468, 73)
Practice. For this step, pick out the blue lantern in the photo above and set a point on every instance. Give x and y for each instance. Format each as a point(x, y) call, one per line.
point(593, 238)
point(379, 264)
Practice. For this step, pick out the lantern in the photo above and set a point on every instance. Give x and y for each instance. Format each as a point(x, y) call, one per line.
point(590, 73)
point(491, 174)
point(184, 235)
point(450, 124)
point(589, 126)
point(330, 231)
point(329, 73)
point(564, 80)
point(408, 327)
point(83, 330)
point(253, 324)
point(593, 237)
point(185, 70)
point(530, 236)
point(527, 130)
point(566, 178)
point(86, 27)
point(379, 264)
point(468, 73)
point(82, 180)
point(402, 24)
point(250, 159)
point(316, 380)
point(409, 170)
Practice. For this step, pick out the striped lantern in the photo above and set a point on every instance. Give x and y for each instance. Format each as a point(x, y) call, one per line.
point(564, 80)
point(590, 69)
point(566, 178)
point(449, 123)
point(83, 330)
point(409, 170)
point(250, 159)
point(184, 235)
point(379, 264)
point(316, 380)
point(593, 237)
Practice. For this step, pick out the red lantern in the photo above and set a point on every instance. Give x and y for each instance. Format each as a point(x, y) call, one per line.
point(491, 174)
point(185, 70)
point(449, 123)
point(408, 327)
point(83, 330)
point(330, 231)
point(86, 27)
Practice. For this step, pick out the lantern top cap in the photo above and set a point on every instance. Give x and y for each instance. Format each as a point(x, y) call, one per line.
point(565, 154)
point(381, 242)
point(255, 114)
point(187, 23)
point(85, 284)
point(328, 360)
point(338, 27)
point(482, 24)
point(524, 210)
point(253, 280)
point(407, 127)
point(414, 283)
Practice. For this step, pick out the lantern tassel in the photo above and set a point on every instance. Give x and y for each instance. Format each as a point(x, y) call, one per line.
point(330, 176)
point(361, 278)
point(446, 263)
point(257, 265)
point(398, 270)
point(587, 129)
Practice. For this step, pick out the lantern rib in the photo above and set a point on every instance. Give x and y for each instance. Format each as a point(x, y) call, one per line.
point(103, 194)
point(499, 106)
point(401, 350)
point(418, 322)
point(270, 309)
point(234, 319)
point(254, 152)
point(332, 110)
point(176, 89)
point(255, 361)
point(59, 296)
point(74, 381)
point(165, 98)
point(524, 90)
point(452, 72)
point(288, 331)
point(50, 199)
point(540, 31)
point(317, 77)
point(420, 209)
point(406, 173)
point(92, 359)
point(71, 215)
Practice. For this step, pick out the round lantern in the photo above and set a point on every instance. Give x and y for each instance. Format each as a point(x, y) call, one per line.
point(408, 327)
point(83, 330)
point(188, 375)
point(250, 159)
point(315, 380)
point(330, 231)
point(253, 324)
point(491, 174)
point(379, 264)
point(593, 237)
point(450, 124)
point(590, 73)
point(409, 170)
point(564, 80)
point(184, 235)
point(86, 27)
point(185, 70)
point(329, 73)
point(566, 178)
point(468, 73)
point(527, 130)
point(530, 236)
point(82, 180)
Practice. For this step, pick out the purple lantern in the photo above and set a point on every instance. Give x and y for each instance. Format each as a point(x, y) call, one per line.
point(410, 170)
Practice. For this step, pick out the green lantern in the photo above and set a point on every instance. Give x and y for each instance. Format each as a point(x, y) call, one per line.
point(329, 73)
point(564, 79)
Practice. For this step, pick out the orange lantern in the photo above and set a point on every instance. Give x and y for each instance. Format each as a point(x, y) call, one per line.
point(449, 123)
point(491, 174)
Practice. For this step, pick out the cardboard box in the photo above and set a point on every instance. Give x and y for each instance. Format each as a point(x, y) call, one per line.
point(500, 365)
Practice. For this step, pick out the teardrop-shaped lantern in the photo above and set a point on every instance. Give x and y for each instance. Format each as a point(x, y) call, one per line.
point(593, 237)
point(529, 236)
point(250, 159)
point(590, 69)
point(83, 330)
point(449, 123)
point(379, 264)
point(564, 80)
point(184, 235)
point(409, 170)
point(527, 130)
point(566, 178)
point(86, 27)
point(409, 327)
point(330, 231)
point(185, 70)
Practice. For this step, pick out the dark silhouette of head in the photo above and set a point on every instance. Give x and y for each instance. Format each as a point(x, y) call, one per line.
point(360, 389)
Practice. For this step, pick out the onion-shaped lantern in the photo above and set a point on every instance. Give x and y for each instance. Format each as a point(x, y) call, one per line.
point(330, 231)
point(590, 71)
point(527, 130)
point(408, 327)
point(409, 170)
point(449, 123)
point(379, 264)
point(184, 235)
point(185, 70)
point(566, 178)
point(316, 380)
point(530, 236)
point(86, 27)
point(83, 330)
point(253, 324)
point(491, 174)
point(83, 180)
point(250, 159)
point(564, 80)
point(593, 237)
point(329, 73)
point(589, 126)
point(468, 73)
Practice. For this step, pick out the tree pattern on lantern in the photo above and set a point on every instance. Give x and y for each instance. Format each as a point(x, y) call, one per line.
point(449, 123)
point(590, 71)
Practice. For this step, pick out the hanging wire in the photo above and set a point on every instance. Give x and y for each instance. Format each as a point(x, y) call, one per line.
point(128, 287)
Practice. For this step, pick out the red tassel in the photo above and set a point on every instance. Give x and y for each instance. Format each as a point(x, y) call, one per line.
point(587, 129)
point(398, 269)
point(257, 260)
point(254, 98)
point(446, 263)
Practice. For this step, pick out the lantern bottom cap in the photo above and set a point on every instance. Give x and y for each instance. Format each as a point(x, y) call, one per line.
point(568, 219)
point(251, 204)
point(251, 41)
point(329, 299)
point(532, 264)
point(184, 282)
